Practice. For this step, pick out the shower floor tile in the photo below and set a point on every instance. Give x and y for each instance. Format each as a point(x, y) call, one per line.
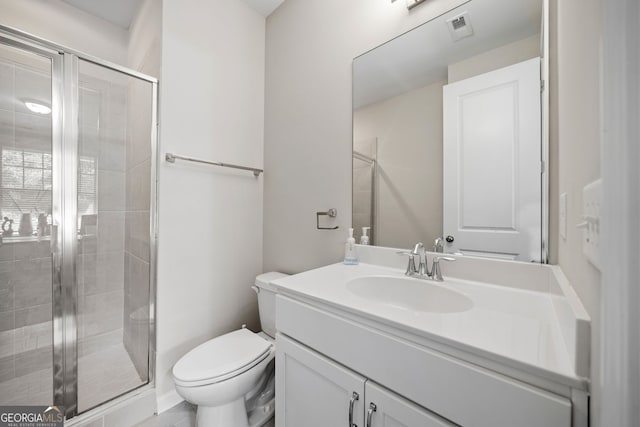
point(102, 375)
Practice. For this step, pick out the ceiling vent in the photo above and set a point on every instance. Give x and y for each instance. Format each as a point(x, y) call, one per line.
point(459, 26)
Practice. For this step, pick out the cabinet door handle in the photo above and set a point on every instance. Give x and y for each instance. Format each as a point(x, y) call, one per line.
point(372, 409)
point(355, 396)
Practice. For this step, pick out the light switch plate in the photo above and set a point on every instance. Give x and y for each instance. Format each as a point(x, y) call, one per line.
point(563, 216)
point(591, 204)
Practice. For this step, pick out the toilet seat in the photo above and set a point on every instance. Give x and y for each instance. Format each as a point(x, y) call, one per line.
point(221, 358)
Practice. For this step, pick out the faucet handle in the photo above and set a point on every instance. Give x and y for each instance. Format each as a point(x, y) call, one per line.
point(438, 244)
point(436, 272)
point(418, 249)
point(411, 265)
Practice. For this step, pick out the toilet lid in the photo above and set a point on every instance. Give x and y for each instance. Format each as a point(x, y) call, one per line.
point(221, 356)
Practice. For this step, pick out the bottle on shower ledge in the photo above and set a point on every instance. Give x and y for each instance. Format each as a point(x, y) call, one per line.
point(350, 254)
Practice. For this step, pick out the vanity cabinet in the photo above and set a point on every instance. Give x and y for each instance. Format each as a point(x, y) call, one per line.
point(324, 355)
point(319, 392)
point(314, 391)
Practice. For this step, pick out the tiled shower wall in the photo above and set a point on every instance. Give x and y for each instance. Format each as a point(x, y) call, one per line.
point(137, 205)
point(100, 265)
point(25, 322)
point(25, 267)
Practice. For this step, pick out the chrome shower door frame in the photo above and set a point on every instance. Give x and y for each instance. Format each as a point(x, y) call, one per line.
point(64, 230)
point(66, 218)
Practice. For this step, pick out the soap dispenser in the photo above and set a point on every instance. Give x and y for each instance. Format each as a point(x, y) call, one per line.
point(350, 255)
point(364, 239)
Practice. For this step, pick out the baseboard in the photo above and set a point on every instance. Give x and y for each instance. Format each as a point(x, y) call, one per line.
point(168, 400)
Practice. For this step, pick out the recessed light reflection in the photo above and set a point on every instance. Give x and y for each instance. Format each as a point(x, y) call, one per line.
point(38, 108)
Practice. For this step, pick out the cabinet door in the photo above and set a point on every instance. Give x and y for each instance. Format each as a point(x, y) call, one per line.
point(313, 391)
point(387, 409)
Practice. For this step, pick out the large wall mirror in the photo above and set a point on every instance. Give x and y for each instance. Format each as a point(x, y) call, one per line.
point(450, 134)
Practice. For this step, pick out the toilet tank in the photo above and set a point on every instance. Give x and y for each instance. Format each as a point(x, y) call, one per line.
point(267, 301)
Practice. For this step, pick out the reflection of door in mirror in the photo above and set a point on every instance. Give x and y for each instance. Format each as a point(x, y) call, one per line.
point(491, 156)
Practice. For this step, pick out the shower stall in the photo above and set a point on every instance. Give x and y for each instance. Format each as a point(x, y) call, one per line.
point(77, 245)
point(364, 188)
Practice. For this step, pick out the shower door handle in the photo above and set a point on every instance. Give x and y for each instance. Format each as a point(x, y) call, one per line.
point(56, 259)
point(54, 239)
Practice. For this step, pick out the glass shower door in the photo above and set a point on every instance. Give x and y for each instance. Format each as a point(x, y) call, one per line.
point(113, 205)
point(26, 279)
point(76, 195)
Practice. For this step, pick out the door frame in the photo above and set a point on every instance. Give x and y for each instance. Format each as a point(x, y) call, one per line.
point(618, 385)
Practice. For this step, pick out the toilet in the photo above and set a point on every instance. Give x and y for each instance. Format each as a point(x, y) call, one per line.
point(231, 378)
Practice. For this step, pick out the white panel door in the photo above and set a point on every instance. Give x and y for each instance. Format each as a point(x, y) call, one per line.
point(313, 391)
point(387, 409)
point(492, 163)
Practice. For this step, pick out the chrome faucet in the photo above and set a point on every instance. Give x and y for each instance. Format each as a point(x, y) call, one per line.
point(422, 271)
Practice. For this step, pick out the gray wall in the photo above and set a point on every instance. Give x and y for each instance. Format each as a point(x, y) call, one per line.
point(409, 132)
point(310, 47)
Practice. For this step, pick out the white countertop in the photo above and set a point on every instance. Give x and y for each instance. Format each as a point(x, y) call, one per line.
point(515, 325)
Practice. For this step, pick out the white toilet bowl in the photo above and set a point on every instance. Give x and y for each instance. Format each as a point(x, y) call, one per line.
point(221, 374)
point(230, 377)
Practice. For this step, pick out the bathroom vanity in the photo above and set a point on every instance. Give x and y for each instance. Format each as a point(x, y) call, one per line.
point(496, 344)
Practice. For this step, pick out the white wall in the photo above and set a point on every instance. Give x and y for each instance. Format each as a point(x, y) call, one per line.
point(493, 59)
point(579, 132)
point(62, 23)
point(577, 88)
point(145, 37)
point(210, 243)
point(310, 47)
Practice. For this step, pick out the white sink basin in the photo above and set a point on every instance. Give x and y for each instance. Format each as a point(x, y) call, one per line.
point(410, 294)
